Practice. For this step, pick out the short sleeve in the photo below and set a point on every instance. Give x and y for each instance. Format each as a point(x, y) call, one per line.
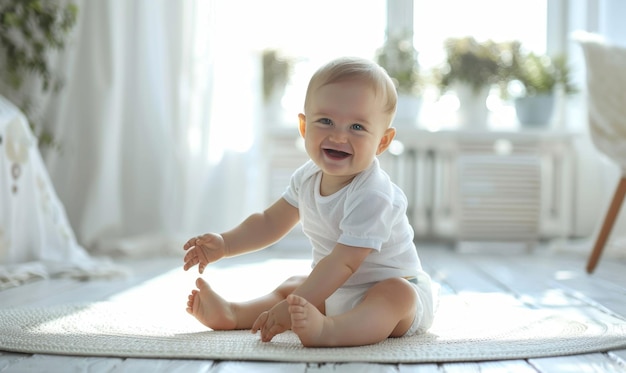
point(292, 193)
point(368, 220)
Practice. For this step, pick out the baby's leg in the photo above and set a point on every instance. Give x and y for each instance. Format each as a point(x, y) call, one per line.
point(218, 314)
point(388, 309)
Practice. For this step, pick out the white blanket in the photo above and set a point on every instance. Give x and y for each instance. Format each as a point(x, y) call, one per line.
point(36, 239)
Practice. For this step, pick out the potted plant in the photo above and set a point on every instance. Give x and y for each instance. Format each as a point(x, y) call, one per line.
point(399, 58)
point(476, 64)
point(29, 31)
point(471, 68)
point(534, 81)
point(277, 70)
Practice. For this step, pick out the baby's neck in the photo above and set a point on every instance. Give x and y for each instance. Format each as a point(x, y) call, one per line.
point(332, 184)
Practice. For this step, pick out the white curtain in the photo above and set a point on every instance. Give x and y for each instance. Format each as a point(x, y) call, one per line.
point(156, 133)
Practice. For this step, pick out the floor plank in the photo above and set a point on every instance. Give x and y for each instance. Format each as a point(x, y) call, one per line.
point(418, 368)
point(60, 291)
point(352, 368)
point(619, 356)
point(258, 367)
point(515, 366)
point(63, 364)
point(535, 291)
point(588, 363)
point(165, 366)
point(9, 359)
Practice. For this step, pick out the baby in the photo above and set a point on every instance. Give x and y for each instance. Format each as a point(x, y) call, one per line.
point(366, 282)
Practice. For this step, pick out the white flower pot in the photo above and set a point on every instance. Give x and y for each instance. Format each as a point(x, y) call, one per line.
point(535, 111)
point(472, 112)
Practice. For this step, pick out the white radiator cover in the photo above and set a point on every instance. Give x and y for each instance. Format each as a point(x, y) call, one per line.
point(486, 185)
point(499, 197)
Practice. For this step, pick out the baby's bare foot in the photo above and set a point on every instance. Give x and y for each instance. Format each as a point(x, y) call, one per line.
point(211, 309)
point(308, 322)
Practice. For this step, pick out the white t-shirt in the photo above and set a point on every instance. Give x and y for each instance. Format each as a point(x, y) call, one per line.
point(369, 212)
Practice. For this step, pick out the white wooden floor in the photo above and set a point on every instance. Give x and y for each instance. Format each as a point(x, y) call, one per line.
point(542, 277)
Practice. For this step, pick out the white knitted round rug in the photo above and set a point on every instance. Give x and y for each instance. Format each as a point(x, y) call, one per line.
point(460, 333)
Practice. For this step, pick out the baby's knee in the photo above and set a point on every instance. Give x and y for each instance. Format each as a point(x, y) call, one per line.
point(397, 288)
point(290, 285)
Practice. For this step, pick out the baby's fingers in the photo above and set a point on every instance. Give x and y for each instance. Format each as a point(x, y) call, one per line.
point(189, 262)
point(267, 335)
point(190, 243)
point(260, 322)
point(191, 259)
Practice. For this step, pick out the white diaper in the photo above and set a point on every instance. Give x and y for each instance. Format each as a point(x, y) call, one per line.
point(348, 297)
point(345, 299)
point(427, 299)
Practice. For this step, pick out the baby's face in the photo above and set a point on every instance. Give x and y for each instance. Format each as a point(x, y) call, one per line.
point(345, 123)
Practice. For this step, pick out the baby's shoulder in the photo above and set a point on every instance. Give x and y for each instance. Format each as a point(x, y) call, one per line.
point(376, 183)
point(373, 180)
point(305, 172)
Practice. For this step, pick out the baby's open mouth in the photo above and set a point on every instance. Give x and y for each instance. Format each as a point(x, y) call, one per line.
point(336, 154)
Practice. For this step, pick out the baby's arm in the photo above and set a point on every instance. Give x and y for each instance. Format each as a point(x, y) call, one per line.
point(332, 272)
point(261, 229)
point(256, 232)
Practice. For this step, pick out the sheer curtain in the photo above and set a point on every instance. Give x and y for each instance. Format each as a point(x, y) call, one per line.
point(146, 122)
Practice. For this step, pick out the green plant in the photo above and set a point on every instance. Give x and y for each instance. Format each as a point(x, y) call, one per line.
point(540, 74)
point(563, 74)
point(29, 31)
point(478, 64)
point(399, 58)
point(277, 70)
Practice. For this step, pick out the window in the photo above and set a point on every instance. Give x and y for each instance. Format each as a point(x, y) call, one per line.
point(314, 32)
point(230, 37)
point(435, 21)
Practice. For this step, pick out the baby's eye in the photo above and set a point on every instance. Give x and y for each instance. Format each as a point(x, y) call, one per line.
point(325, 121)
point(358, 127)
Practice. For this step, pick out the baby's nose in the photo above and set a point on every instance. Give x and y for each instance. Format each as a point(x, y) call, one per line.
point(339, 136)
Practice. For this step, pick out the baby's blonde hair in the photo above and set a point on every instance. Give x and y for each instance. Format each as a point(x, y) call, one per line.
point(348, 68)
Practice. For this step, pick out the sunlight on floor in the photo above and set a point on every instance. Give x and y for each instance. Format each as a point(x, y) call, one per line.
point(565, 275)
point(162, 300)
point(235, 283)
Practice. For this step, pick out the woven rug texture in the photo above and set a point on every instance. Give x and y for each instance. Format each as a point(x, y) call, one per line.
point(463, 331)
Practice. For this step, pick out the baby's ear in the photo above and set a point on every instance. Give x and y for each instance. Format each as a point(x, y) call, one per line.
point(385, 141)
point(302, 124)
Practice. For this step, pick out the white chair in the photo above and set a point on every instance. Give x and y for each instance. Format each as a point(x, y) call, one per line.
point(606, 99)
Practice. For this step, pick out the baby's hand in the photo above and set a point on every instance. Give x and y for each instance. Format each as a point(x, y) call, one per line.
point(273, 322)
point(203, 250)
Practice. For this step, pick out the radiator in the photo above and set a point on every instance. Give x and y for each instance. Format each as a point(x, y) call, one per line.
point(474, 189)
point(498, 197)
